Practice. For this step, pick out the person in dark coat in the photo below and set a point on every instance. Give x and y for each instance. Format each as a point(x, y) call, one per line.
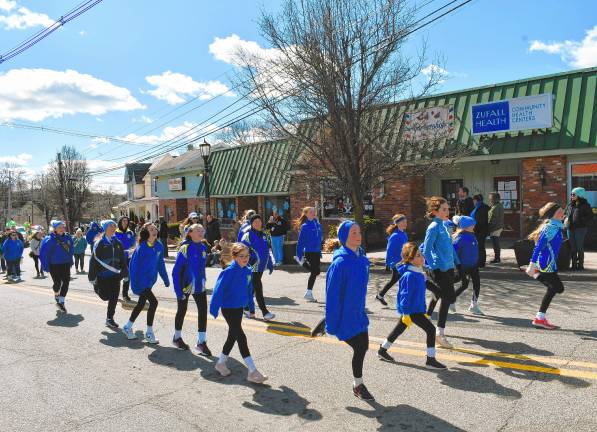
point(496, 224)
point(481, 215)
point(278, 227)
point(212, 229)
point(465, 204)
point(578, 215)
point(163, 234)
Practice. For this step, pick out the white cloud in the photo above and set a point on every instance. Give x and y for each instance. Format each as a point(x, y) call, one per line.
point(232, 49)
point(167, 134)
point(18, 160)
point(22, 18)
point(82, 33)
point(143, 119)
point(37, 94)
point(172, 87)
point(576, 53)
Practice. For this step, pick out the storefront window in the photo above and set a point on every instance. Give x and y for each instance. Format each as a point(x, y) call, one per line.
point(226, 210)
point(280, 205)
point(585, 175)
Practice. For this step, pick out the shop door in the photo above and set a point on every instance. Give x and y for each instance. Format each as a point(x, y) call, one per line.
point(509, 190)
point(450, 193)
point(181, 209)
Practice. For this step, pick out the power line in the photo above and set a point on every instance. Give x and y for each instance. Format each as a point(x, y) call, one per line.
point(28, 43)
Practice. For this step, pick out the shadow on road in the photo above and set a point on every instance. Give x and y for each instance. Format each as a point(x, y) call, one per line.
point(404, 417)
point(176, 359)
point(117, 339)
point(65, 320)
point(280, 301)
point(469, 381)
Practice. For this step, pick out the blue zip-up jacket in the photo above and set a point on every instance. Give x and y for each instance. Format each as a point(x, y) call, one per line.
point(545, 254)
point(242, 230)
point(309, 238)
point(188, 274)
point(12, 249)
point(234, 289)
point(411, 290)
point(438, 250)
point(127, 239)
point(394, 249)
point(56, 249)
point(79, 245)
point(147, 261)
point(346, 290)
point(94, 230)
point(467, 249)
point(259, 247)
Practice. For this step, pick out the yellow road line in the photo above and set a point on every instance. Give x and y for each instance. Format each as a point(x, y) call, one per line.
point(446, 355)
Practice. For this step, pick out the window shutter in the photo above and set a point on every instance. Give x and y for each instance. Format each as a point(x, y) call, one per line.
point(184, 186)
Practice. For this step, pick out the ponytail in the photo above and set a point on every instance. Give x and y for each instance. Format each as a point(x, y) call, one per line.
point(396, 219)
point(302, 218)
point(331, 245)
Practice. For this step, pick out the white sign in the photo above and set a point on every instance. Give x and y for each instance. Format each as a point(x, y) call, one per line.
point(429, 124)
point(175, 184)
point(529, 112)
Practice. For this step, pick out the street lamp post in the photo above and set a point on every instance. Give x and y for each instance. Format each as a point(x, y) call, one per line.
point(205, 150)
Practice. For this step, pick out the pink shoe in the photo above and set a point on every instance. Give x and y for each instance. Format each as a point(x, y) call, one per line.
point(544, 324)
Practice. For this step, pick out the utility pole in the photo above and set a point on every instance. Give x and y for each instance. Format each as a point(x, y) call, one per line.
point(62, 194)
point(9, 214)
point(32, 197)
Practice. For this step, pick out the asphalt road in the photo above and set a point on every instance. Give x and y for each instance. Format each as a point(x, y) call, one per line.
point(70, 373)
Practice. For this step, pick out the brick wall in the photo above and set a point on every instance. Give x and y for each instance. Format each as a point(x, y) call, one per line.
point(246, 203)
point(406, 197)
point(171, 203)
point(534, 194)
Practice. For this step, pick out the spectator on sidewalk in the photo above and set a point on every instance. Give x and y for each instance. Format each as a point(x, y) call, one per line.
point(278, 227)
point(481, 215)
point(212, 229)
point(163, 234)
point(80, 244)
point(578, 216)
point(496, 224)
point(464, 205)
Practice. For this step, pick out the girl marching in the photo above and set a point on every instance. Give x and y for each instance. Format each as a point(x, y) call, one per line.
point(346, 291)
point(308, 247)
point(56, 256)
point(147, 261)
point(12, 248)
point(467, 249)
point(127, 238)
point(256, 240)
point(80, 245)
point(543, 265)
point(410, 303)
point(35, 245)
point(188, 277)
point(397, 239)
point(231, 294)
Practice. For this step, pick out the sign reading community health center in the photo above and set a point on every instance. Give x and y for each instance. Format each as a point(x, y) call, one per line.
point(530, 112)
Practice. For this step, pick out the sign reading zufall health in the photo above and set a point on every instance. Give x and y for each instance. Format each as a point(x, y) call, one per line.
point(529, 112)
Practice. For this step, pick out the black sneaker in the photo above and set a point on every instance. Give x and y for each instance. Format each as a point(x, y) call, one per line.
point(319, 329)
point(127, 299)
point(56, 299)
point(381, 299)
point(382, 354)
point(180, 344)
point(111, 323)
point(61, 307)
point(361, 392)
point(202, 349)
point(496, 261)
point(432, 363)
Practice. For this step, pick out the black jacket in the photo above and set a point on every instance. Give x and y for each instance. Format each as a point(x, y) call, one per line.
point(110, 253)
point(579, 213)
point(212, 231)
point(465, 206)
point(278, 227)
point(163, 231)
point(482, 220)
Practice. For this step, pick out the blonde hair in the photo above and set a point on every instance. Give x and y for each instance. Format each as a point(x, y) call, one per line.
point(331, 245)
point(191, 228)
point(409, 251)
point(230, 251)
point(390, 229)
point(302, 218)
point(433, 204)
point(534, 236)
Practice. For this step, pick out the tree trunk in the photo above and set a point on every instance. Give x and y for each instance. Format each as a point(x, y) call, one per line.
point(358, 207)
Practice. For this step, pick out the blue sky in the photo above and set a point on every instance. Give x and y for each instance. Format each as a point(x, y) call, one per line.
point(125, 63)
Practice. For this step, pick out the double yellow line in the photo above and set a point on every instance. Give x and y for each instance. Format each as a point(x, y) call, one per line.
point(500, 360)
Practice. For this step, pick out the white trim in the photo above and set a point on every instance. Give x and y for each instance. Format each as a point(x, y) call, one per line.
point(569, 175)
point(525, 155)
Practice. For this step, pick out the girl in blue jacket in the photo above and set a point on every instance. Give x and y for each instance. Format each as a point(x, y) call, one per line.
point(440, 258)
point(147, 261)
point(245, 225)
point(346, 292)
point(257, 242)
point(94, 230)
point(12, 248)
point(410, 303)
point(188, 277)
point(308, 247)
point(467, 248)
point(397, 239)
point(56, 256)
point(231, 294)
point(128, 241)
point(543, 265)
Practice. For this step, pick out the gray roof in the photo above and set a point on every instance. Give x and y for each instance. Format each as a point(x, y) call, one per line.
point(136, 171)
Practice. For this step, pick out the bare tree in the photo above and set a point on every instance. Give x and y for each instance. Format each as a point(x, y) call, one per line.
point(331, 83)
point(40, 197)
point(12, 185)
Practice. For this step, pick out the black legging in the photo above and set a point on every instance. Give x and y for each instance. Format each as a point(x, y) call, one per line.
point(79, 261)
point(201, 301)
point(258, 291)
point(110, 286)
point(420, 320)
point(60, 274)
point(471, 273)
point(390, 284)
point(445, 280)
point(36, 262)
point(359, 345)
point(554, 286)
point(312, 264)
point(126, 283)
point(234, 318)
point(146, 295)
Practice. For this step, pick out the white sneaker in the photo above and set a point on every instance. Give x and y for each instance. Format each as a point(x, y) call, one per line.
point(309, 296)
point(269, 316)
point(130, 334)
point(475, 309)
point(299, 261)
point(150, 338)
point(453, 308)
point(256, 377)
point(443, 342)
point(249, 315)
point(222, 369)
